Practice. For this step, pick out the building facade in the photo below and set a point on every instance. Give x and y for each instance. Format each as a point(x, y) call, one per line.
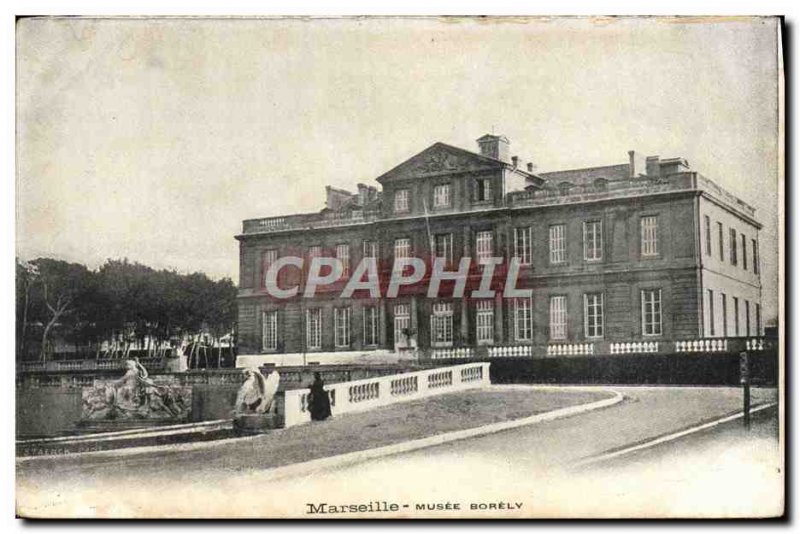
point(643, 251)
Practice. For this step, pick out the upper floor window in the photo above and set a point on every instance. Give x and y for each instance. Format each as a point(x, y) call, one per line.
point(711, 318)
point(483, 246)
point(734, 259)
point(401, 200)
point(370, 249)
point(483, 189)
point(707, 220)
point(402, 248)
point(269, 257)
point(441, 196)
point(558, 317)
point(754, 247)
point(649, 232)
point(592, 240)
point(744, 252)
point(444, 247)
point(343, 255)
point(721, 242)
point(558, 243)
point(593, 320)
point(314, 251)
point(522, 244)
point(651, 312)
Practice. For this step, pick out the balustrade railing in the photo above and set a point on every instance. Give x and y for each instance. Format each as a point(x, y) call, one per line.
point(570, 349)
point(634, 347)
point(380, 391)
point(702, 345)
point(452, 354)
point(510, 351)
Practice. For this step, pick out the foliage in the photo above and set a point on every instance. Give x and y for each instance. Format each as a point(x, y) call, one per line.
point(121, 301)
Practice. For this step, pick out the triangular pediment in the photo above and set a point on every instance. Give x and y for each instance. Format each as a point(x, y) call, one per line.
point(440, 159)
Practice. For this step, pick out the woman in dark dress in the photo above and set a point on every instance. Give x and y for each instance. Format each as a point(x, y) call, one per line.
point(319, 404)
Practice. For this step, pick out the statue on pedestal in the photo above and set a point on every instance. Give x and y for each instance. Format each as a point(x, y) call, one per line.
point(253, 402)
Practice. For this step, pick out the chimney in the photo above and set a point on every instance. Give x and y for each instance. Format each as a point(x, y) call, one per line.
point(653, 166)
point(636, 164)
point(530, 167)
point(363, 194)
point(515, 161)
point(494, 146)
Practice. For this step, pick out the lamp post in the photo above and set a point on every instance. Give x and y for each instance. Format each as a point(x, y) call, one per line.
point(744, 379)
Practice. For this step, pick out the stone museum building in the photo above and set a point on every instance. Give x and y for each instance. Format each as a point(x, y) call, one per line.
point(627, 257)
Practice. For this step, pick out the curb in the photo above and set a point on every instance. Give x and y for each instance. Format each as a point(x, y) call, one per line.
point(441, 439)
point(610, 455)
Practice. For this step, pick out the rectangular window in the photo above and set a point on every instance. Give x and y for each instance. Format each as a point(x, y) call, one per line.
point(483, 246)
point(733, 246)
point(314, 329)
point(484, 322)
point(736, 330)
point(721, 242)
point(370, 326)
point(269, 330)
point(268, 257)
point(522, 244)
point(523, 316)
point(442, 324)
point(444, 247)
point(343, 255)
point(441, 196)
point(402, 323)
point(341, 327)
point(707, 220)
point(649, 228)
point(593, 315)
point(314, 251)
point(483, 190)
point(724, 314)
point(402, 248)
point(747, 317)
point(401, 201)
point(758, 319)
point(593, 240)
point(711, 312)
point(558, 317)
point(558, 243)
point(744, 252)
point(754, 247)
point(651, 312)
point(370, 249)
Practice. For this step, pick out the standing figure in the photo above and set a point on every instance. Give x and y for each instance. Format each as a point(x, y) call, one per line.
point(319, 404)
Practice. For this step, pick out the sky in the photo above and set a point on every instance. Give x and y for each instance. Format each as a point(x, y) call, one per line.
point(152, 139)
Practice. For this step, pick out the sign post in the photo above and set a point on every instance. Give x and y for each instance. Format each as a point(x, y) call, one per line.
point(744, 379)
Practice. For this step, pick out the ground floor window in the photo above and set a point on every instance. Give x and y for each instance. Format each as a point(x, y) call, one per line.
point(558, 317)
point(651, 312)
point(484, 322)
point(269, 330)
point(402, 324)
point(442, 324)
point(370, 326)
point(593, 315)
point(523, 327)
point(314, 329)
point(342, 327)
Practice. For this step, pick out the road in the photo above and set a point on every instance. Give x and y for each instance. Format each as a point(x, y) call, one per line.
point(524, 472)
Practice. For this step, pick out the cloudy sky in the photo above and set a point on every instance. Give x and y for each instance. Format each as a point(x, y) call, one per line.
point(153, 139)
